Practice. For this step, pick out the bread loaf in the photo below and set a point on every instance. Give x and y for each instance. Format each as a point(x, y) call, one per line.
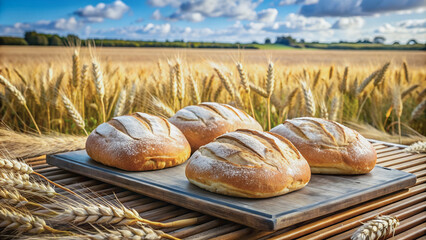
point(248, 163)
point(202, 123)
point(329, 147)
point(138, 142)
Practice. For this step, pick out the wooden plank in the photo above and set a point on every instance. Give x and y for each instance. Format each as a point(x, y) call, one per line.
point(323, 195)
point(356, 221)
point(348, 214)
point(404, 217)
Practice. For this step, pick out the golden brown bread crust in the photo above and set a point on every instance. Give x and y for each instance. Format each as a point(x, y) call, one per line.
point(248, 163)
point(138, 142)
point(202, 123)
point(329, 147)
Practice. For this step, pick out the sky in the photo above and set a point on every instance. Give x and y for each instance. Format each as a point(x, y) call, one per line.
point(218, 20)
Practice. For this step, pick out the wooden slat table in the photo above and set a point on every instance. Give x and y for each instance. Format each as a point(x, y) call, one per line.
point(408, 205)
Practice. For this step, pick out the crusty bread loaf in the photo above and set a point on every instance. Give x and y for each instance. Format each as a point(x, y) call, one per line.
point(248, 163)
point(202, 123)
point(138, 142)
point(329, 147)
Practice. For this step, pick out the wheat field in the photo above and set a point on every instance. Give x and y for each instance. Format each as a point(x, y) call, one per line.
point(72, 90)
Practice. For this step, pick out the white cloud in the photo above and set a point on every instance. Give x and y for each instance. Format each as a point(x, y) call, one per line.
point(293, 2)
point(47, 26)
point(412, 23)
point(297, 23)
point(348, 8)
point(267, 15)
point(198, 10)
point(156, 15)
point(349, 23)
point(101, 11)
point(163, 3)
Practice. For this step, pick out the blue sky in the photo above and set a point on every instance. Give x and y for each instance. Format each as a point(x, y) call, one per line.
point(218, 20)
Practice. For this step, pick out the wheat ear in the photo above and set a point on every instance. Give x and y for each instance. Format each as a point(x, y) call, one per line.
point(334, 108)
point(245, 83)
point(381, 74)
point(173, 82)
point(418, 147)
point(316, 79)
point(180, 81)
point(76, 73)
point(12, 197)
point(398, 107)
point(270, 84)
point(343, 84)
point(366, 81)
point(225, 81)
point(99, 84)
point(75, 115)
point(330, 72)
point(21, 99)
point(16, 166)
point(378, 228)
point(196, 99)
point(162, 108)
point(309, 99)
point(127, 232)
point(409, 90)
point(10, 180)
point(119, 106)
point(23, 222)
point(418, 110)
point(109, 214)
point(405, 67)
point(258, 90)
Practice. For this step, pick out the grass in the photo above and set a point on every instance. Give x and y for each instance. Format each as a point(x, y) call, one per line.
point(62, 98)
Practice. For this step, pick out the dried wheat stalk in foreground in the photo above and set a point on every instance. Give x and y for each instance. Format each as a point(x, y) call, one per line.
point(12, 197)
point(16, 166)
point(418, 147)
point(380, 227)
point(22, 145)
point(22, 222)
point(15, 181)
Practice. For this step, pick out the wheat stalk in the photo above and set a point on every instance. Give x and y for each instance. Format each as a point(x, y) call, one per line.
point(407, 91)
point(418, 110)
point(75, 115)
point(330, 72)
point(16, 166)
point(270, 84)
point(405, 68)
point(22, 222)
point(258, 90)
point(418, 147)
point(366, 81)
point(398, 107)
point(378, 228)
point(162, 108)
point(196, 99)
point(334, 108)
point(119, 106)
point(381, 74)
point(83, 77)
point(343, 84)
point(12, 197)
point(76, 74)
point(99, 84)
point(225, 81)
point(309, 99)
point(21, 99)
point(323, 110)
point(173, 82)
point(316, 79)
point(180, 81)
point(245, 83)
point(15, 181)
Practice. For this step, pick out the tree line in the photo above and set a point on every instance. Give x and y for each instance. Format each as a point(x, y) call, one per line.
point(39, 39)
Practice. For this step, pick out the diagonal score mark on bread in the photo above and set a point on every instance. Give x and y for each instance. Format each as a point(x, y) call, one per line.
point(210, 107)
point(322, 127)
